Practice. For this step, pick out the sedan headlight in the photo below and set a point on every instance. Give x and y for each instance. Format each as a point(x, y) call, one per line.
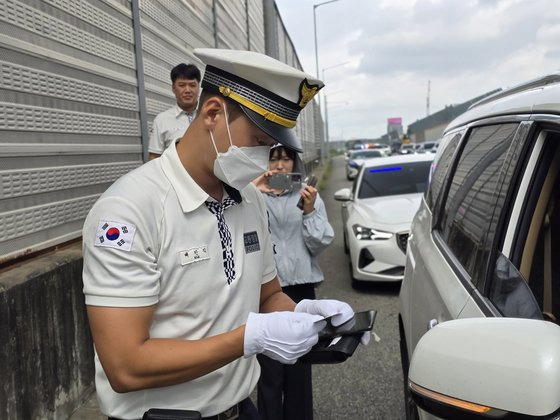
point(353, 164)
point(369, 234)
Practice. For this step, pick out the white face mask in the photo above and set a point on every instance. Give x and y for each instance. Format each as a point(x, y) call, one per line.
point(239, 165)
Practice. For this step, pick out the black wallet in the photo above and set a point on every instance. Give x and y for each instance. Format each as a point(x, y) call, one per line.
point(164, 414)
point(325, 352)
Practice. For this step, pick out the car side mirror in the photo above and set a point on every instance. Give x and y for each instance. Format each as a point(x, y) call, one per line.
point(344, 194)
point(479, 368)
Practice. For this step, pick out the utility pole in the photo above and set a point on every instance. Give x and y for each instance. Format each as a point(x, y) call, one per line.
point(428, 100)
point(323, 145)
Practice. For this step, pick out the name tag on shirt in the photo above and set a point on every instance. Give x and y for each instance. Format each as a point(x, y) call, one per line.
point(251, 240)
point(196, 254)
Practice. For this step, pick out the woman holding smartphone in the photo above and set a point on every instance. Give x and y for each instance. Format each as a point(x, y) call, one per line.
point(298, 236)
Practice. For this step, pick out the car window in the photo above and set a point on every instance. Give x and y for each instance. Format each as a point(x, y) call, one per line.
point(537, 246)
point(403, 178)
point(468, 221)
point(441, 166)
point(510, 293)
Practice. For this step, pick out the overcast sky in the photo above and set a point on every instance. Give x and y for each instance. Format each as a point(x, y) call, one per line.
point(392, 48)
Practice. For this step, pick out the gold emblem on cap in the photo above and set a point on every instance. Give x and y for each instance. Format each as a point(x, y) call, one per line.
point(306, 92)
point(269, 115)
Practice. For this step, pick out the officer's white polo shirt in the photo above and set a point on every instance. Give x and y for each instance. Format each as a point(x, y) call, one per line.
point(168, 126)
point(140, 240)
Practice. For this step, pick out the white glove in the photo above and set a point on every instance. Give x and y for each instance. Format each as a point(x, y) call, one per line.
point(282, 336)
point(365, 338)
point(340, 311)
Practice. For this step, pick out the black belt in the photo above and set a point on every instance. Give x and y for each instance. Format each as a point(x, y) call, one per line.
point(230, 414)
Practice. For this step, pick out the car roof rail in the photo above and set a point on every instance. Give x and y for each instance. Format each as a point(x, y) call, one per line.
point(531, 84)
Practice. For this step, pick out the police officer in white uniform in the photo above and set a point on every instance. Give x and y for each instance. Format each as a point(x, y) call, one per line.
point(171, 124)
point(179, 276)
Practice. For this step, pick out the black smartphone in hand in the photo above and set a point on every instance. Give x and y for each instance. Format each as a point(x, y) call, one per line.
point(312, 181)
point(360, 323)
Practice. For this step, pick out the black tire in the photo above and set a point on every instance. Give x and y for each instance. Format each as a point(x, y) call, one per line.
point(410, 410)
point(356, 284)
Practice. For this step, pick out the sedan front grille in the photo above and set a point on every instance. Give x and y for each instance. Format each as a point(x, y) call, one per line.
point(402, 241)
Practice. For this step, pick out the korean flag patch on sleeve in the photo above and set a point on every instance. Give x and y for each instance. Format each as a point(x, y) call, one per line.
point(113, 234)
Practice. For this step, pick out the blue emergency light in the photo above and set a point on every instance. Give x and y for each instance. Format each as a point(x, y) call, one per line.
point(393, 169)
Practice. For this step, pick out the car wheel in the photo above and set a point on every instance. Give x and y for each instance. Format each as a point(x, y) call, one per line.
point(410, 410)
point(356, 284)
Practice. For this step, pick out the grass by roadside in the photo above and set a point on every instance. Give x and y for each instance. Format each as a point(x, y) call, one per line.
point(325, 172)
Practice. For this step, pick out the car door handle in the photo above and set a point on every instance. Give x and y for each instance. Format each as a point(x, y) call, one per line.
point(432, 323)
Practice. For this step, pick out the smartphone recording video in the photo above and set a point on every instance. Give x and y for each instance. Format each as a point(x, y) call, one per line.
point(284, 181)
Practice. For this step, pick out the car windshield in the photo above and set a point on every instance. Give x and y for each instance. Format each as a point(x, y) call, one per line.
point(402, 178)
point(364, 154)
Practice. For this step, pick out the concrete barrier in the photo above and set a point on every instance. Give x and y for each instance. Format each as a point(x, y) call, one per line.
point(46, 352)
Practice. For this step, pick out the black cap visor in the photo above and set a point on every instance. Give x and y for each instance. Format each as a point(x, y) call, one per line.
point(283, 135)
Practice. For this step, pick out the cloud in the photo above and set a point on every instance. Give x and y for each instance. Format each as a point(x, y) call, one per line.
point(393, 47)
point(453, 37)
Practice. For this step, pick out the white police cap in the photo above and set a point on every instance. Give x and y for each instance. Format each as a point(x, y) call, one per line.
point(270, 93)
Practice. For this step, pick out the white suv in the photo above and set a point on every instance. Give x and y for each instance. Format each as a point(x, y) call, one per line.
point(480, 298)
